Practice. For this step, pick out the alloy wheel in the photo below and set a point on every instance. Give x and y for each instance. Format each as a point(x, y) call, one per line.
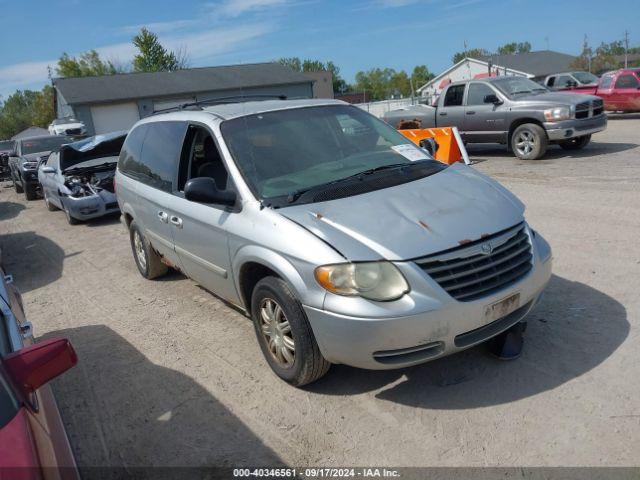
point(141, 256)
point(277, 332)
point(525, 142)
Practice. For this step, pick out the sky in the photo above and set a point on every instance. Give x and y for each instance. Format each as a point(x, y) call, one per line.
point(354, 34)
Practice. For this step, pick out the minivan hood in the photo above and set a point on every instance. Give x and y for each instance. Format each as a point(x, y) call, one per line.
point(412, 220)
point(556, 97)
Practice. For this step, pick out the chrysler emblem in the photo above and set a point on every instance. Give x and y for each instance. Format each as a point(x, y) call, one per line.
point(486, 249)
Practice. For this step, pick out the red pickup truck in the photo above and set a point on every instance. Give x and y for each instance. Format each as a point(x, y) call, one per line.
point(619, 89)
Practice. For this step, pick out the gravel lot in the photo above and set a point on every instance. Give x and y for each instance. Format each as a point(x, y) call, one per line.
point(169, 375)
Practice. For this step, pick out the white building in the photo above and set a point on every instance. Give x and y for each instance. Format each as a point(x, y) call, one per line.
point(534, 65)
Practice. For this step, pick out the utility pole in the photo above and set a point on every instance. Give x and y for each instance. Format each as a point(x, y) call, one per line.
point(546, 41)
point(626, 49)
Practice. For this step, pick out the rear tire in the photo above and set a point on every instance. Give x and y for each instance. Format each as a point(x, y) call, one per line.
point(529, 141)
point(576, 143)
point(284, 334)
point(147, 260)
point(17, 187)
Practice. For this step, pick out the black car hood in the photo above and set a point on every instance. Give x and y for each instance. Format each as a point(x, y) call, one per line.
point(98, 147)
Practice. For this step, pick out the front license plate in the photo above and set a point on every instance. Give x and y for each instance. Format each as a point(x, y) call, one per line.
point(502, 308)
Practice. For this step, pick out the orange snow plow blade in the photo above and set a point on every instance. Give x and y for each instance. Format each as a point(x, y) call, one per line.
point(450, 148)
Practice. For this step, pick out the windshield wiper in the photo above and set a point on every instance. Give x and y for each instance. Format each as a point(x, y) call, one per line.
point(520, 91)
point(295, 195)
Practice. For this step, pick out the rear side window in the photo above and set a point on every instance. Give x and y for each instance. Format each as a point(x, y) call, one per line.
point(606, 81)
point(129, 161)
point(453, 97)
point(551, 81)
point(627, 81)
point(477, 92)
point(152, 155)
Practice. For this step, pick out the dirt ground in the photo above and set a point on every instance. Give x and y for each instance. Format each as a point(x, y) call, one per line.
point(169, 375)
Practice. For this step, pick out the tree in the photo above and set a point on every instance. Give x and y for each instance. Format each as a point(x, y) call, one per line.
point(513, 48)
point(297, 65)
point(420, 76)
point(583, 61)
point(473, 53)
point(153, 57)
point(376, 82)
point(88, 64)
point(24, 109)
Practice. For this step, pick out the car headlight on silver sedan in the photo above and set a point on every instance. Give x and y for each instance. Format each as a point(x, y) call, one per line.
point(557, 114)
point(379, 281)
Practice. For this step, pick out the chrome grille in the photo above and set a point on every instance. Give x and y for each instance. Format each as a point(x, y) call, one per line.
point(466, 273)
point(582, 110)
point(598, 107)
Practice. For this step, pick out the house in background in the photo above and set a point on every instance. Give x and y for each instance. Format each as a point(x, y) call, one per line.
point(322, 83)
point(534, 65)
point(115, 102)
point(30, 132)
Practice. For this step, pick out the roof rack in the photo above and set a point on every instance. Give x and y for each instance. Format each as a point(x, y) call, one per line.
point(219, 101)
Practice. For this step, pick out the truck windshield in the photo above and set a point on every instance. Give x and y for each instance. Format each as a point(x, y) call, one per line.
point(43, 144)
point(585, 78)
point(285, 152)
point(514, 86)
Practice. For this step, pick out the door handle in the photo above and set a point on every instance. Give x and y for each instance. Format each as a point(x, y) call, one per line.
point(444, 114)
point(471, 112)
point(177, 221)
point(163, 216)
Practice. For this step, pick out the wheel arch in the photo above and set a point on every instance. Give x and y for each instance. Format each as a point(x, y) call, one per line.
point(522, 121)
point(252, 263)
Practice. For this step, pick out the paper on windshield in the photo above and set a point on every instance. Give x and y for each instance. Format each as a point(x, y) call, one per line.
point(410, 152)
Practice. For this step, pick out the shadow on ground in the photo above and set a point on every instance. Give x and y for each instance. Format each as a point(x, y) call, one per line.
point(479, 152)
point(9, 210)
point(571, 331)
point(121, 409)
point(33, 260)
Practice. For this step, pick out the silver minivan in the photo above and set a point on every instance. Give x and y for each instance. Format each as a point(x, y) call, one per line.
point(342, 241)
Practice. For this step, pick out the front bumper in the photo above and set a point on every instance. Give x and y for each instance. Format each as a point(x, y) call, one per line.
point(29, 177)
point(92, 206)
point(402, 341)
point(568, 129)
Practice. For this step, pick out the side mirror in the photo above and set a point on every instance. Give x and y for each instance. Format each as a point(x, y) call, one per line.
point(492, 98)
point(430, 145)
point(47, 169)
point(33, 366)
point(204, 190)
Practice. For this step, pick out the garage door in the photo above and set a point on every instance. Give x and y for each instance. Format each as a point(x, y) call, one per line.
point(110, 118)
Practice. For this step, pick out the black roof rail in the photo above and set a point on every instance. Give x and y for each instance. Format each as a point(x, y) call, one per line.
point(219, 101)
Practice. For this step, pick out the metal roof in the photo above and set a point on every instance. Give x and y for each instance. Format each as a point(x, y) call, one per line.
point(538, 64)
point(127, 86)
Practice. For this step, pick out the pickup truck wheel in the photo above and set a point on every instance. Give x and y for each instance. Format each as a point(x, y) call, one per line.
point(529, 141)
point(576, 143)
point(30, 192)
point(17, 187)
point(284, 334)
point(147, 260)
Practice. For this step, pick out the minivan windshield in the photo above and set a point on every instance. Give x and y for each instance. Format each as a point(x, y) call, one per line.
point(43, 144)
point(514, 86)
point(287, 152)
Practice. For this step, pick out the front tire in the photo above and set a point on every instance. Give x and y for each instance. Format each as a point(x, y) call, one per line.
point(30, 192)
point(50, 206)
point(147, 260)
point(529, 141)
point(577, 143)
point(284, 334)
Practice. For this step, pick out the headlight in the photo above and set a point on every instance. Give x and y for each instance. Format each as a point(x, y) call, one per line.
point(380, 281)
point(557, 114)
